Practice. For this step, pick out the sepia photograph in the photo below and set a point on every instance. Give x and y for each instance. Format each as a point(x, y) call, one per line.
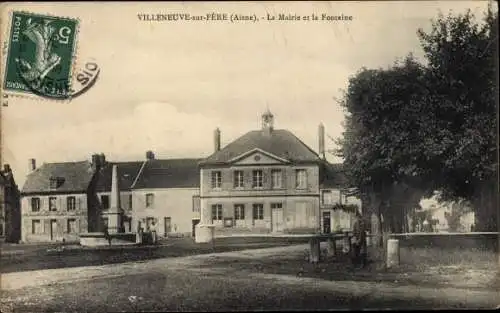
point(249, 156)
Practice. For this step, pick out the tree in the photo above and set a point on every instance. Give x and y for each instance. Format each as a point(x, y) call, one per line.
point(384, 154)
point(412, 129)
point(461, 75)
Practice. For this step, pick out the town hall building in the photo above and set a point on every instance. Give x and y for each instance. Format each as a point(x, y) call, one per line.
point(266, 181)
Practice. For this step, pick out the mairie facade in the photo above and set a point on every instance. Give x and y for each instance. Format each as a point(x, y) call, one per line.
point(266, 181)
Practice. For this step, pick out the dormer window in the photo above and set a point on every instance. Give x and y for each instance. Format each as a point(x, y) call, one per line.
point(55, 182)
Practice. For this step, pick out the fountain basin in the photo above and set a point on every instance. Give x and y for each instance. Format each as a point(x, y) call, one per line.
point(98, 239)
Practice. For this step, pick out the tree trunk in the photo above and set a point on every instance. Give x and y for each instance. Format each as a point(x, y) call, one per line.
point(379, 227)
point(485, 207)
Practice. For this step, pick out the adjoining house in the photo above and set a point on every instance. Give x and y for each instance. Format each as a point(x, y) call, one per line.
point(10, 207)
point(55, 200)
point(337, 202)
point(266, 181)
point(166, 196)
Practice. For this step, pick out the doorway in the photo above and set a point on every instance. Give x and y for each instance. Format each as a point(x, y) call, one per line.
point(167, 226)
point(195, 222)
point(277, 219)
point(53, 229)
point(327, 222)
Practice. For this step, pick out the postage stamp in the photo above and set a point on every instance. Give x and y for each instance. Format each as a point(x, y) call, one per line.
point(40, 54)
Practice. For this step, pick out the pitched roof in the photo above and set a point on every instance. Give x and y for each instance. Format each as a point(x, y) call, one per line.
point(169, 173)
point(279, 142)
point(332, 176)
point(127, 173)
point(74, 177)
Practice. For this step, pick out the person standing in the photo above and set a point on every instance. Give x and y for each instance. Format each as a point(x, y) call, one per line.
point(359, 241)
point(153, 232)
point(107, 235)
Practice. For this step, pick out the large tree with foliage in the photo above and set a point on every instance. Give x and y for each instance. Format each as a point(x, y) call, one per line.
point(384, 154)
point(414, 128)
point(462, 73)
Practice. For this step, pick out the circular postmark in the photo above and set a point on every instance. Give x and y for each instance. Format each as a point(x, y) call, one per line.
point(63, 88)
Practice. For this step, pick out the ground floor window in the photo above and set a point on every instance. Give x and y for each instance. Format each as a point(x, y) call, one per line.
point(217, 212)
point(71, 226)
point(258, 211)
point(36, 227)
point(239, 211)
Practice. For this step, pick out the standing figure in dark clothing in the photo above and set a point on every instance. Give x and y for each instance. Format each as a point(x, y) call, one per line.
point(359, 241)
point(107, 236)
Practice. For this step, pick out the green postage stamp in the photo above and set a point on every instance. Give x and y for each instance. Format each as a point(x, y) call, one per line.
point(40, 54)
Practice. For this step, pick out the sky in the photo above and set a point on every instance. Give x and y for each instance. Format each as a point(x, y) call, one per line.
point(165, 86)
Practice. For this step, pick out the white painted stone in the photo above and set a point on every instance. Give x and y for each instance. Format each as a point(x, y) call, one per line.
point(331, 247)
point(314, 250)
point(392, 253)
point(203, 233)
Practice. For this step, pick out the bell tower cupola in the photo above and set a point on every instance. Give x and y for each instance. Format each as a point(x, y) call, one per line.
point(267, 121)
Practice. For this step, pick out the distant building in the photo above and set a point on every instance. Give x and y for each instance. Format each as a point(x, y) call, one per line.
point(10, 207)
point(54, 201)
point(439, 216)
point(266, 181)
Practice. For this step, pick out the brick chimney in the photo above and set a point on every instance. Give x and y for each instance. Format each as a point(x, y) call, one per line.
point(31, 165)
point(102, 159)
point(321, 138)
point(6, 168)
point(216, 140)
point(96, 162)
point(150, 155)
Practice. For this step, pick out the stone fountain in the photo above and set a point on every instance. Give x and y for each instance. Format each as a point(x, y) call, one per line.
point(114, 216)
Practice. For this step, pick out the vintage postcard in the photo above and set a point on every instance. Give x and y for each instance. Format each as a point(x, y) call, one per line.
point(248, 156)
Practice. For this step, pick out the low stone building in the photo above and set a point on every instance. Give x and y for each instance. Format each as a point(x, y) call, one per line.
point(54, 201)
